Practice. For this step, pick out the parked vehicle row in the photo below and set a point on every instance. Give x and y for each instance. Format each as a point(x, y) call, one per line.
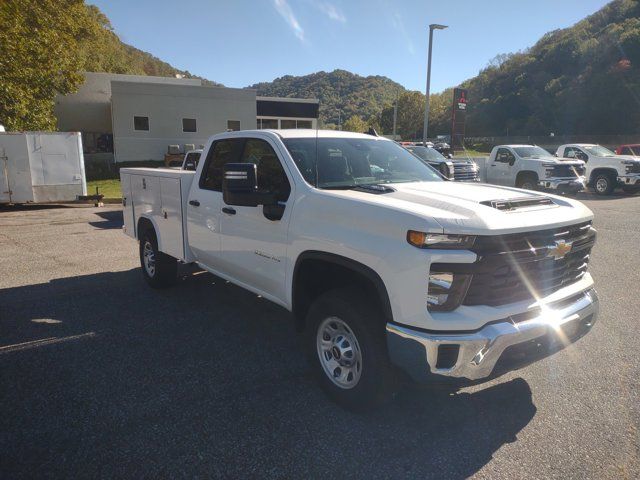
point(531, 167)
point(605, 171)
point(458, 169)
point(385, 266)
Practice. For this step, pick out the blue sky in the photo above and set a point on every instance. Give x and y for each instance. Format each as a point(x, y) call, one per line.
point(241, 42)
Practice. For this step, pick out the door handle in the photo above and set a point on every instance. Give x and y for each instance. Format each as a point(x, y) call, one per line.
point(195, 203)
point(228, 211)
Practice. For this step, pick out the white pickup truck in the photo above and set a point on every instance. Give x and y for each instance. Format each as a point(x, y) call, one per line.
point(605, 170)
point(532, 167)
point(385, 266)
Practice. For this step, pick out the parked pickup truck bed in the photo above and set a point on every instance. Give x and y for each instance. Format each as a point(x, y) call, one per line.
point(385, 265)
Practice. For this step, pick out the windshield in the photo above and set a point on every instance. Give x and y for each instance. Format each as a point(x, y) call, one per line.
point(531, 152)
point(349, 162)
point(635, 150)
point(428, 154)
point(598, 151)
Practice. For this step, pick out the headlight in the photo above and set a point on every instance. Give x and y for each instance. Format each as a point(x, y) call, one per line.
point(446, 169)
point(446, 290)
point(439, 240)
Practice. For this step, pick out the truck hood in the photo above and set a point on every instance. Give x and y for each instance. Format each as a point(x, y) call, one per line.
point(476, 209)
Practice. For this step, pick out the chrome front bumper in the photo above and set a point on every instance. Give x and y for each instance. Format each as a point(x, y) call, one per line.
point(563, 184)
point(429, 355)
point(631, 179)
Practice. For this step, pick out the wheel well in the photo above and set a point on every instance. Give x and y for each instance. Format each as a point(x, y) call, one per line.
point(598, 171)
point(526, 174)
point(318, 272)
point(144, 224)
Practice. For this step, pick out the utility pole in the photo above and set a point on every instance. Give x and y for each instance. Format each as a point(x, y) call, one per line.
point(395, 117)
point(339, 119)
point(432, 27)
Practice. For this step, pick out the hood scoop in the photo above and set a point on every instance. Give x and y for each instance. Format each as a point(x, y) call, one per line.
point(375, 189)
point(518, 203)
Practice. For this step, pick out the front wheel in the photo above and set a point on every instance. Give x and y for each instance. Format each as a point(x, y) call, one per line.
point(527, 182)
point(159, 269)
point(604, 184)
point(346, 344)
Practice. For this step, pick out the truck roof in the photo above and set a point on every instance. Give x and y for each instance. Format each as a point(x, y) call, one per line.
point(311, 133)
point(514, 145)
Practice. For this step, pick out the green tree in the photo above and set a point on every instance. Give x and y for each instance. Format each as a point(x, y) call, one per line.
point(355, 124)
point(39, 41)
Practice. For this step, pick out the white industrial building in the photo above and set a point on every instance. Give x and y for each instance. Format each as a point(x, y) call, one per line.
point(129, 118)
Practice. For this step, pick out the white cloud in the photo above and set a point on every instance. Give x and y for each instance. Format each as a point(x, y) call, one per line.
point(331, 11)
point(398, 24)
point(285, 11)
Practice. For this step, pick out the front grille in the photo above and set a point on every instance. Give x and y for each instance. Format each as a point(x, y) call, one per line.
point(633, 167)
point(463, 171)
point(516, 267)
point(565, 171)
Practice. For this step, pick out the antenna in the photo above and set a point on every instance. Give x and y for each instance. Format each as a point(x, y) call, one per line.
point(316, 164)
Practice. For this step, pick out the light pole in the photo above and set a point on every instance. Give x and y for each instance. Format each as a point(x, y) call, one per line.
point(432, 27)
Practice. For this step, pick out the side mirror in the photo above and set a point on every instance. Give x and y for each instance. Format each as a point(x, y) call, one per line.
point(512, 160)
point(240, 186)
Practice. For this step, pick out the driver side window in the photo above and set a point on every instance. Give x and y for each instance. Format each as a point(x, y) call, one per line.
point(504, 156)
point(271, 175)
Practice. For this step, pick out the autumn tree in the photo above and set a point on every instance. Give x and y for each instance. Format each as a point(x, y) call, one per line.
point(39, 44)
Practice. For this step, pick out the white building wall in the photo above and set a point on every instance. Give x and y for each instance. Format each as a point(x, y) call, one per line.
point(89, 109)
point(166, 106)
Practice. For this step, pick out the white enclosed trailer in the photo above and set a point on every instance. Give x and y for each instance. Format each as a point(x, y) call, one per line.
point(40, 167)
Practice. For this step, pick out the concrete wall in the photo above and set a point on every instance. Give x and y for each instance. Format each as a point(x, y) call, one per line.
point(89, 109)
point(166, 106)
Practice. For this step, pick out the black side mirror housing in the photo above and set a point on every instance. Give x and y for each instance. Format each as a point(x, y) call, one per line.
point(512, 160)
point(240, 186)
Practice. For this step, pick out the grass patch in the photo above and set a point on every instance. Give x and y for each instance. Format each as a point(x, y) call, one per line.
point(470, 153)
point(108, 188)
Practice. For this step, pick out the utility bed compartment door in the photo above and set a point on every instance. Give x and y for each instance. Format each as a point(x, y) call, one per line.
point(128, 215)
point(170, 221)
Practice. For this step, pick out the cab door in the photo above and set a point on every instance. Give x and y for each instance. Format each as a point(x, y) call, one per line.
point(500, 170)
point(254, 239)
point(204, 205)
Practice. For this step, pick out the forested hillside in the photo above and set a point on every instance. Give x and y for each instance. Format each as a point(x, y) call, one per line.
point(340, 93)
point(580, 80)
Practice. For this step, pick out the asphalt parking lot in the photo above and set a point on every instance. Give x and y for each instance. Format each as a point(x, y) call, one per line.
point(101, 376)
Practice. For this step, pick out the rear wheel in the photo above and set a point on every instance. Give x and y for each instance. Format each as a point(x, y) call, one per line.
point(346, 344)
point(604, 184)
point(159, 269)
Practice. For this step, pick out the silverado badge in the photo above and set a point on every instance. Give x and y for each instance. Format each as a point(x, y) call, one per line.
point(559, 250)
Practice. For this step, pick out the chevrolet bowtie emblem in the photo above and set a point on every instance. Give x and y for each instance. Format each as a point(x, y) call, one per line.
point(559, 250)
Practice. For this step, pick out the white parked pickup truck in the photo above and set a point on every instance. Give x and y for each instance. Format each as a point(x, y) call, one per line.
point(531, 167)
point(385, 266)
point(605, 170)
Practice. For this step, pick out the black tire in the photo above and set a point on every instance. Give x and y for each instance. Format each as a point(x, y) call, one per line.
point(527, 182)
point(630, 189)
point(164, 271)
point(604, 184)
point(363, 321)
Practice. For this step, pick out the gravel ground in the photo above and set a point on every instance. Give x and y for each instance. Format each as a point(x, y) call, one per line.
point(101, 376)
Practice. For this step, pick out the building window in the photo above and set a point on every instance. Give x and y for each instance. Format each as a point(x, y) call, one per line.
point(233, 125)
point(189, 125)
point(270, 123)
point(286, 124)
point(304, 123)
point(141, 123)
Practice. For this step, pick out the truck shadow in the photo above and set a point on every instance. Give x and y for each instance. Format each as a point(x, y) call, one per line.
point(111, 219)
point(102, 376)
